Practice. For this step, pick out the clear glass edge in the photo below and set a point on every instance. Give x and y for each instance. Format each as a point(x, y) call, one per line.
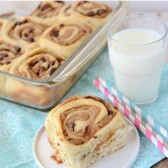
point(134, 45)
point(49, 80)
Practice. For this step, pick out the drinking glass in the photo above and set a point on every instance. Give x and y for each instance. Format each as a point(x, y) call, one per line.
point(137, 53)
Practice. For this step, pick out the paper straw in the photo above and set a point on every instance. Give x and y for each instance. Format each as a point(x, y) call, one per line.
point(145, 128)
point(131, 104)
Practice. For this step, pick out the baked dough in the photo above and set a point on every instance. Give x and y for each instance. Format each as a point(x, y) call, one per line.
point(83, 129)
point(93, 12)
point(48, 11)
point(25, 32)
point(37, 65)
point(9, 53)
point(53, 29)
point(3, 23)
point(66, 36)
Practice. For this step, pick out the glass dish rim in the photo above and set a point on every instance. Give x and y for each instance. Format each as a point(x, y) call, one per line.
point(50, 80)
point(110, 36)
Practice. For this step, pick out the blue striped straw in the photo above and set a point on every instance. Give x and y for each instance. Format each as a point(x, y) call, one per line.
point(131, 104)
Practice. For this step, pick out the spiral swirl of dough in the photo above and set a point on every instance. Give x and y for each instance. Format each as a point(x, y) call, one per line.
point(89, 9)
point(39, 65)
point(69, 33)
point(8, 53)
point(0, 26)
point(48, 9)
point(26, 30)
point(82, 117)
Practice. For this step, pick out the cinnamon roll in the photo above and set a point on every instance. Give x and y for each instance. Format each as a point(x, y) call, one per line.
point(91, 11)
point(37, 64)
point(9, 53)
point(48, 11)
point(66, 36)
point(82, 129)
point(2, 24)
point(25, 32)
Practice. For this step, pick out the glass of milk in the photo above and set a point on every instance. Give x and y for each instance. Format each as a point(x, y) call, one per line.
point(137, 53)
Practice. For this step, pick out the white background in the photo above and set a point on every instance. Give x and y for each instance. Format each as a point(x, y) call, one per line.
point(140, 6)
point(149, 6)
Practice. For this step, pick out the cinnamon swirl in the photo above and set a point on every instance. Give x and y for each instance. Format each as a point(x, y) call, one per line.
point(25, 32)
point(9, 53)
point(91, 11)
point(48, 11)
point(2, 24)
point(37, 64)
point(83, 129)
point(66, 36)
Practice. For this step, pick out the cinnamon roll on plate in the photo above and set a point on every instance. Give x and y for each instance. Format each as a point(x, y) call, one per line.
point(48, 11)
point(83, 129)
point(25, 32)
point(9, 53)
point(93, 12)
point(66, 36)
point(37, 64)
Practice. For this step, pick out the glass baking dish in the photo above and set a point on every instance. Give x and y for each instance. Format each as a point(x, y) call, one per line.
point(44, 94)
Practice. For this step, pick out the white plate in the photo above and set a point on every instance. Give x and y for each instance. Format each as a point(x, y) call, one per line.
point(122, 158)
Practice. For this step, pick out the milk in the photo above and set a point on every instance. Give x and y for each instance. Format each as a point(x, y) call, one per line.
point(137, 56)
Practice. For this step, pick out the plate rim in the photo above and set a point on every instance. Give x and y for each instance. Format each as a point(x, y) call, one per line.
point(36, 138)
point(42, 129)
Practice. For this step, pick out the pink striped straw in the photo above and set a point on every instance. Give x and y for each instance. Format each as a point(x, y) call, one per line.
point(154, 124)
point(145, 128)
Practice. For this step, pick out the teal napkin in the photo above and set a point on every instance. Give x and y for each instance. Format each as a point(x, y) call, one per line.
point(18, 124)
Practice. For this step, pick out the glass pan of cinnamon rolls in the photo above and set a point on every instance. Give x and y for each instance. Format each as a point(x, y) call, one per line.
point(44, 53)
